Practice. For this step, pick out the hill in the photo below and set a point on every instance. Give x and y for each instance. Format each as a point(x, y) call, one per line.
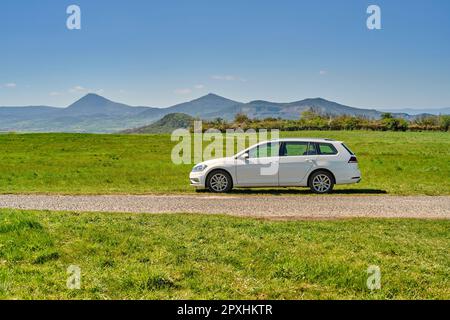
point(167, 124)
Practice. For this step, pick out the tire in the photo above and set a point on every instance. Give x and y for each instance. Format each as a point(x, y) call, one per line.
point(219, 181)
point(321, 182)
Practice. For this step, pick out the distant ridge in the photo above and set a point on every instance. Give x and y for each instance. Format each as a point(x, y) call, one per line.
point(96, 114)
point(292, 110)
point(412, 111)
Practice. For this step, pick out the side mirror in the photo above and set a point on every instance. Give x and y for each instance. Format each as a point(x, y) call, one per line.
point(245, 156)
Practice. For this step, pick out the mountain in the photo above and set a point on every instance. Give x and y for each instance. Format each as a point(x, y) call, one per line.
point(204, 105)
point(96, 114)
point(332, 108)
point(292, 110)
point(91, 114)
point(197, 108)
point(93, 104)
point(167, 124)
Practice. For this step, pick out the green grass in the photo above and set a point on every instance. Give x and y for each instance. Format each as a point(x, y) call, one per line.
point(392, 162)
point(125, 256)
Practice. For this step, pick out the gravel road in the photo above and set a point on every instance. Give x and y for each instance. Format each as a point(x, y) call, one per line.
point(272, 207)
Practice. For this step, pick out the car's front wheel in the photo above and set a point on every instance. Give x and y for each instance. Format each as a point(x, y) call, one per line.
point(321, 182)
point(219, 181)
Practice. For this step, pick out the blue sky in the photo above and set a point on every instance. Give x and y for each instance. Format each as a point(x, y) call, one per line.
point(158, 53)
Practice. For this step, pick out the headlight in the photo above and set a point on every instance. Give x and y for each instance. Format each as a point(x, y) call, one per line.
point(199, 168)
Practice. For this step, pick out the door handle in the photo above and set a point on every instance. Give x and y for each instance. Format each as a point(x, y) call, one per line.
point(310, 160)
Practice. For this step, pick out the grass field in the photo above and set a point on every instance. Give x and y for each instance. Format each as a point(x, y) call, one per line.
point(392, 162)
point(125, 256)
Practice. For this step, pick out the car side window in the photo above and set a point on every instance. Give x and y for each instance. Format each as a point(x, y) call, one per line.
point(265, 150)
point(295, 149)
point(312, 149)
point(326, 149)
point(292, 149)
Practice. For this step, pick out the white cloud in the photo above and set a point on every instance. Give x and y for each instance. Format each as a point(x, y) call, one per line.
point(323, 72)
point(10, 85)
point(227, 78)
point(183, 91)
point(77, 89)
point(55, 93)
point(81, 89)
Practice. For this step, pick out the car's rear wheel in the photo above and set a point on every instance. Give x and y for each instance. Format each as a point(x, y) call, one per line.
point(321, 182)
point(219, 181)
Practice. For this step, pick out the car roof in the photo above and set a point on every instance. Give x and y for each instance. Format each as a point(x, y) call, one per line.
point(305, 140)
point(292, 139)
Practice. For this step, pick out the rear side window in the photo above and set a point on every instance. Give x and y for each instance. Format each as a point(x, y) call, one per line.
point(348, 149)
point(326, 149)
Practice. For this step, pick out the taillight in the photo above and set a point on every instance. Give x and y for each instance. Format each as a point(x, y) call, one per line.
point(353, 160)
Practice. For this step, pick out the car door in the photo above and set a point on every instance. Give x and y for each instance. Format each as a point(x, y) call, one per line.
point(297, 158)
point(261, 166)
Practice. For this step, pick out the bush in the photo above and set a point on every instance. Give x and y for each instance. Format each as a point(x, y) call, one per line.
point(313, 120)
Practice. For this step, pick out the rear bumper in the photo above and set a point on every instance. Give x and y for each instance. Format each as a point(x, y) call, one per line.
point(349, 176)
point(349, 181)
point(357, 179)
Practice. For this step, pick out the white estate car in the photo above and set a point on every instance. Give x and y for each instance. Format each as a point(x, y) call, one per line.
point(315, 163)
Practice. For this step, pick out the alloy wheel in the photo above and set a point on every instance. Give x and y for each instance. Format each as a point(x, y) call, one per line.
point(219, 182)
point(321, 183)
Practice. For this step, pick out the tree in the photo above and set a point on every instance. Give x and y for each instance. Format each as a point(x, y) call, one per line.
point(313, 120)
point(241, 118)
point(350, 123)
point(402, 125)
point(444, 122)
point(386, 115)
point(219, 121)
point(309, 115)
point(394, 124)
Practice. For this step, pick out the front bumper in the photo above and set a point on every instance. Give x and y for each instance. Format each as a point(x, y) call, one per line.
point(197, 179)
